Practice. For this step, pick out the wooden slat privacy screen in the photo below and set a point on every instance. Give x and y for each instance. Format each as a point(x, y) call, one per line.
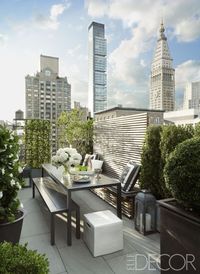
point(119, 140)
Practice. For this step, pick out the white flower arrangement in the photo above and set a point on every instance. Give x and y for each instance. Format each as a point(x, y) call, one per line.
point(10, 174)
point(66, 157)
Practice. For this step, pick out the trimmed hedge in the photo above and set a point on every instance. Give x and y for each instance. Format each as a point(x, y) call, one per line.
point(37, 142)
point(159, 142)
point(182, 172)
point(171, 136)
point(150, 162)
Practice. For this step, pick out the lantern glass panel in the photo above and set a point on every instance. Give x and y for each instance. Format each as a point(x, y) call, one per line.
point(139, 212)
point(145, 212)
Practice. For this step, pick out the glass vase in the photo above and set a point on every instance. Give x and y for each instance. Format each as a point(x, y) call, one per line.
point(66, 174)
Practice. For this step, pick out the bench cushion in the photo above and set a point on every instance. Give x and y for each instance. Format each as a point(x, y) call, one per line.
point(129, 176)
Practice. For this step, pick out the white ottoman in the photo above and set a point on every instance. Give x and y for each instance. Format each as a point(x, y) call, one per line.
point(103, 232)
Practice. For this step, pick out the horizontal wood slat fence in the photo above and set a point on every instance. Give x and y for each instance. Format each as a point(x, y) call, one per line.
point(119, 140)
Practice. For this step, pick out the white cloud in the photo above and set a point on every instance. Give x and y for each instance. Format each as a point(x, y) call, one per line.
point(142, 19)
point(128, 70)
point(3, 39)
point(131, 98)
point(79, 91)
point(57, 10)
point(188, 30)
point(74, 51)
point(188, 71)
point(96, 8)
point(51, 21)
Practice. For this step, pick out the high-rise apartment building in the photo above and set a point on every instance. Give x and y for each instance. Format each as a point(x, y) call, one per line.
point(192, 96)
point(47, 94)
point(97, 89)
point(162, 91)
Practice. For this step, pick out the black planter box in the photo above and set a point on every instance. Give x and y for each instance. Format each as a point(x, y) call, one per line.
point(36, 172)
point(179, 239)
point(26, 175)
point(10, 232)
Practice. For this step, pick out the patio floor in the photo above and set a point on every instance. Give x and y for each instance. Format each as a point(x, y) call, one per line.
point(77, 259)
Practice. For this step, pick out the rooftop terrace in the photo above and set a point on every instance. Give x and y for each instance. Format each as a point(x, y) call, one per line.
point(77, 258)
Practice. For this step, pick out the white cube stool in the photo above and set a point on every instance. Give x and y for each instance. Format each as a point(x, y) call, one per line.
point(103, 232)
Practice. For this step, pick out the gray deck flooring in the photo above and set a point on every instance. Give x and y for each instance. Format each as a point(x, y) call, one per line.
point(77, 259)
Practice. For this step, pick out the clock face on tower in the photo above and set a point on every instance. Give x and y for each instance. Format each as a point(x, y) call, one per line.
point(47, 72)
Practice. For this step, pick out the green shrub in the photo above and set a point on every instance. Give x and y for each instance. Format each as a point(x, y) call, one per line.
point(197, 130)
point(37, 142)
point(19, 260)
point(159, 143)
point(10, 169)
point(150, 162)
point(171, 136)
point(182, 172)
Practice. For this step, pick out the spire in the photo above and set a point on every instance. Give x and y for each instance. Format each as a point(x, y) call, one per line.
point(162, 30)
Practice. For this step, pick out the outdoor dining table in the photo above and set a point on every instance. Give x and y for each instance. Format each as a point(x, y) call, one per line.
point(71, 186)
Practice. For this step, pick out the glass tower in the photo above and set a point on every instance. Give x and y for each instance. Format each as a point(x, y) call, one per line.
point(97, 89)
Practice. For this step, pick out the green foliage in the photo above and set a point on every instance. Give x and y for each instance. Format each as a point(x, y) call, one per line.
point(37, 142)
point(197, 130)
point(74, 130)
point(82, 168)
point(150, 162)
point(182, 172)
point(171, 136)
point(19, 260)
point(10, 179)
point(159, 143)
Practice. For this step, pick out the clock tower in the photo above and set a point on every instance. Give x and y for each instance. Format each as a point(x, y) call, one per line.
point(162, 91)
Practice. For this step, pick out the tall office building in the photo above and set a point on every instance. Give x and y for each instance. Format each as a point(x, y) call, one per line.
point(162, 91)
point(47, 94)
point(192, 96)
point(97, 89)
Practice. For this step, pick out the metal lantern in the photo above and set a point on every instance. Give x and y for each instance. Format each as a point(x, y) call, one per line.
point(145, 212)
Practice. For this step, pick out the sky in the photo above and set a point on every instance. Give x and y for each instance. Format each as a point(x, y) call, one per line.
point(59, 28)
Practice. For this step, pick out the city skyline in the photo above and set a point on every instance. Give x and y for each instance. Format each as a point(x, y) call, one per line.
point(59, 28)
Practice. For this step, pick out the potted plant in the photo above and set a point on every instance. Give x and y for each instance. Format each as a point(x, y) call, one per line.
point(19, 260)
point(180, 216)
point(37, 145)
point(11, 217)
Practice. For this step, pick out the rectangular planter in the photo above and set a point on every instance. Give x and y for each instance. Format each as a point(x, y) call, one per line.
point(36, 172)
point(179, 239)
point(26, 175)
point(157, 216)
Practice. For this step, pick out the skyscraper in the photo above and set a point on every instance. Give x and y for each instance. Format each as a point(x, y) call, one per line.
point(97, 89)
point(162, 91)
point(192, 96)
point(47, 94)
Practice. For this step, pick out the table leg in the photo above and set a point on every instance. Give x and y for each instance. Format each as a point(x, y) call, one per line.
point(42, 172)
point(69, 220)
point(119, 199)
